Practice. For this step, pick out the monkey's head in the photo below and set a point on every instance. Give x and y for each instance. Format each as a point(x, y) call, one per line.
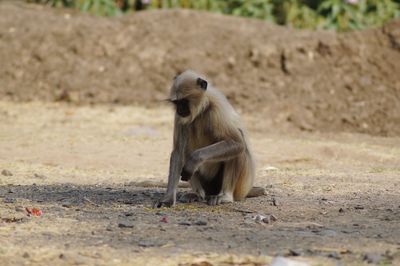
point(188, 95)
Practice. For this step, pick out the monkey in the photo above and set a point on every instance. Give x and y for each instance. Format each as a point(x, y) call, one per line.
point(210, 146)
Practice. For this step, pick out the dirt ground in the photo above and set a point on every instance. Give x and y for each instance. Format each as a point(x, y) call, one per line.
point(313, 81)
point(85, 138)
point(335, 196)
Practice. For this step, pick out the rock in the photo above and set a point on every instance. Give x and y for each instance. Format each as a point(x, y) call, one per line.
point(185, 223)
point(150, 243)
point(125, 224)
point(109, 228)
point(294, 252)
point(39, 176)
point(334, 255)
point(200, 222)
point(146, 243)
point(327, 232)
point(5, 172)
point(261, 218)
point(9, 200)
point(25, 255)
point(281, 261)
point(66, 204)
point(373, 258)
point(19, 209)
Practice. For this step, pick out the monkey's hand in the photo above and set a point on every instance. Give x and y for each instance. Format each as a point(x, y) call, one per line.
point(166, 201)
point(185, 175)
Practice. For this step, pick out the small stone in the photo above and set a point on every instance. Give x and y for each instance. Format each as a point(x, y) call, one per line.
point(295, 253)
point(9, 200)
point(67, 204)
point(19, 209)
point(372, 258)
point(125, 224)
point(25, 255)
point(39, 176)
point(341, 210)
point(274, 202)
point(327, 232)
point(359, 207)
point(200, 222)
point(109, 228)
point(146, 244)
point(281, 261)
point(5, 172)
point(185, 223)
point(334, 255)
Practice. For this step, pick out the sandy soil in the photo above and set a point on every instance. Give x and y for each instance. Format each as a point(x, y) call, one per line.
point(313, 81)
point(85, 138)
point(335, 196)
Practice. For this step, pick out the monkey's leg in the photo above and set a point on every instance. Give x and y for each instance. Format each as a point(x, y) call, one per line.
point(175, 167)
point(217, 152)
point(227, 184)
point(197, 193)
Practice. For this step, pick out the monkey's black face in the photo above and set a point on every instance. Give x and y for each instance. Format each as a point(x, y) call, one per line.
point(182, 107)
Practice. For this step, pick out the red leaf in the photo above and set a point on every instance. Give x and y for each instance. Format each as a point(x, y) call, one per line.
point(34, 212)
point(164, 219)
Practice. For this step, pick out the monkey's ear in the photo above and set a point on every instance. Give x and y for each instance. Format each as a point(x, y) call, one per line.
point(202, 83)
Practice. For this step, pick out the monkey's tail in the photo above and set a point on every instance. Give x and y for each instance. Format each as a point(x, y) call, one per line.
point(245, 179)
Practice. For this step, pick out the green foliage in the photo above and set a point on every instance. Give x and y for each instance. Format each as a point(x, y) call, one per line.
point(99, 7)
point(340, 15)
point(96, 7)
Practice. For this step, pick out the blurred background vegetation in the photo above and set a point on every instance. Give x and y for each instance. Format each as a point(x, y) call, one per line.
point(340, 15)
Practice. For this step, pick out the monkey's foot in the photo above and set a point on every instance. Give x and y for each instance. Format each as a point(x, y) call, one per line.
point(218, 199)
point(166, 201)
point(190, 197)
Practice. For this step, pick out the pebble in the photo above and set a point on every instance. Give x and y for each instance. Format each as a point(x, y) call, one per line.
point(372, 258)
point(9, 200)
point(294, 252)
point(334, 255)
point(125, 224)
point(6, 172)
point(149, 243)
point(67, 204)
point(185, 223)
point(281, 261)
point(200, 222)
point(109, 228)
point(19, 209)
point(39, 176)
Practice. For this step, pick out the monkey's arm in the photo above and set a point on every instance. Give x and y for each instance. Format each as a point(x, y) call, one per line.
point(175, 166)
point(220, 151)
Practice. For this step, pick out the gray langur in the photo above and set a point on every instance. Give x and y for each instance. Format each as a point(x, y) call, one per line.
point(210, 149)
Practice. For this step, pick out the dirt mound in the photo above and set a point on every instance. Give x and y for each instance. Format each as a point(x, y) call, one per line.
point(319, 81)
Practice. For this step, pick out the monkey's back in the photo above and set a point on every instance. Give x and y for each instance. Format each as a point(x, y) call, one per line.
point(219, 121)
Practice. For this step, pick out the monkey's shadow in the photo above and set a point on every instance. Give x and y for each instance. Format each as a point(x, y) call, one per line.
point(76, 195)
